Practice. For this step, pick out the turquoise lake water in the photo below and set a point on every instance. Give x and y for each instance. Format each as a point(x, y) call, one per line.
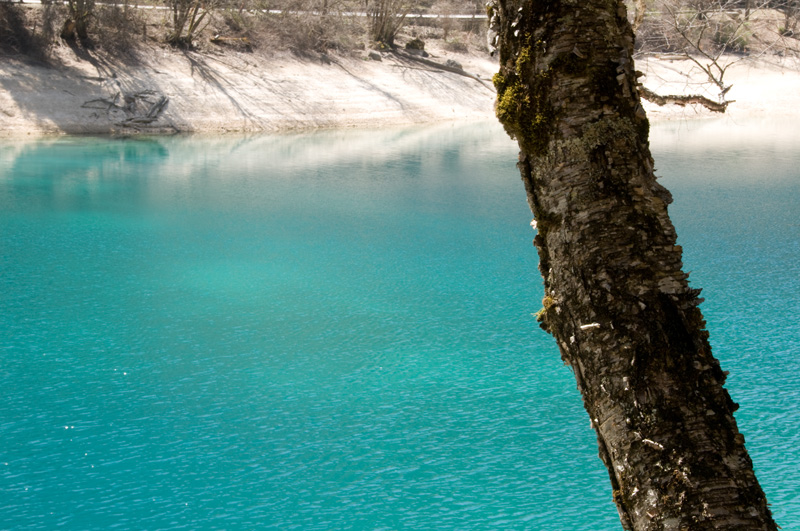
point(334, 331)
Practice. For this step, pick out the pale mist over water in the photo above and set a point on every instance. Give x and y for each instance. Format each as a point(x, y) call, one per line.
point(334, 330)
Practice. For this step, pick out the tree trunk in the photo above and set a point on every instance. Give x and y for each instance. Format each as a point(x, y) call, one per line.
point(616, 299)
point(77, 24)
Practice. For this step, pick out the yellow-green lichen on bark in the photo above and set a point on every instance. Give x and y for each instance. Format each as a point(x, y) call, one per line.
point(548, 305)
point(523, 105)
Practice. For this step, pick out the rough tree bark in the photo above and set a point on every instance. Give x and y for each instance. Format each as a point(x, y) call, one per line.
point(616, 299)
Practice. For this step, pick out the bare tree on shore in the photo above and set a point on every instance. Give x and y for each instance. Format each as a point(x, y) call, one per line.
point(386, 18)
point(714, 35)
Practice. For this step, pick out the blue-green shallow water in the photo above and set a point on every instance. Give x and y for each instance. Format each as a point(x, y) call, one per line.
point(334, 331)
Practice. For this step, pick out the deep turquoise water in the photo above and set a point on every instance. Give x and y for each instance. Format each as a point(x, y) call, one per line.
point(334, 331)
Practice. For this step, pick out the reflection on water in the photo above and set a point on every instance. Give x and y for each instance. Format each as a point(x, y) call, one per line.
point(333, 330)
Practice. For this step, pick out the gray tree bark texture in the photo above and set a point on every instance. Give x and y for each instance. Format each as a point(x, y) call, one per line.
point(616, 299)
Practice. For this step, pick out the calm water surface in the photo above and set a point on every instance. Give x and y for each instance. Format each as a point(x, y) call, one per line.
point(334, 330)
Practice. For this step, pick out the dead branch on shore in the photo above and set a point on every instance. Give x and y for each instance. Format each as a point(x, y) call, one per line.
point(152, 114)
point(143, 107)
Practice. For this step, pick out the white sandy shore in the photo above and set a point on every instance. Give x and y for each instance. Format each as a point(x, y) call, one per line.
point(239, 92)
point(242, 92)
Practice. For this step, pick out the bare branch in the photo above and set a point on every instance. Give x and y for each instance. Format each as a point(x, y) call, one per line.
point(683, 100)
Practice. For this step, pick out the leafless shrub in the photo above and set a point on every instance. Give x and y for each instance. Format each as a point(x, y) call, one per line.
point(310, 25)
point(456, 45)
point(119, 28)
point(27, 31)
point(446, 9)
point(386, 18)
point(47, 25)
point(14, 34)
point(189, 17)
point(710, 27)
point(237, 19)
point(791, 16)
